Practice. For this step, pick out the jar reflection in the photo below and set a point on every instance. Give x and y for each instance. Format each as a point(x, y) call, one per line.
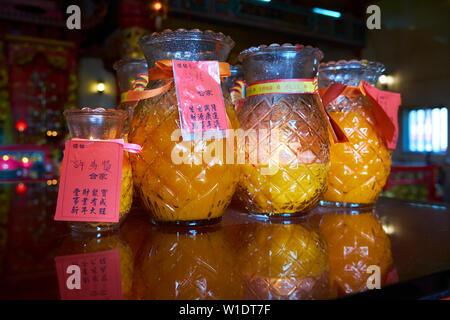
point(86, 243)
point(186, 264)
point(282, 261)
point(356, 240)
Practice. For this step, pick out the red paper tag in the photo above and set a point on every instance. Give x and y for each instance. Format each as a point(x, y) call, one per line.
point(200, 100)
point(90, 182)
point(90, 276)
point(385, 111)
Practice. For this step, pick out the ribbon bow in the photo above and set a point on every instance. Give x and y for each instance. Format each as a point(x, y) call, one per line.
point(384, 105)
point(164, 71)
point(138, 85)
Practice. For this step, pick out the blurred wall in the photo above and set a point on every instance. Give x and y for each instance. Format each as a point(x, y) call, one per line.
point(90, 73)
point(246, 37)
point(413, 43)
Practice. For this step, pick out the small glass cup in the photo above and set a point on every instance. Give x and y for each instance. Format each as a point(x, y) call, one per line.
point(102, 124)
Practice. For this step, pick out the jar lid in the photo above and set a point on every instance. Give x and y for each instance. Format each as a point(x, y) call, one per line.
point(275, 47)
point(352, 64)
point(183, 34)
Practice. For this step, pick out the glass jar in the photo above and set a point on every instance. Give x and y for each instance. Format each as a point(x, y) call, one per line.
point(356, 240)
point(102, 124)
point(290, 177)
point(186, 194)
point(283, 260)
point(188, 264)
point(360, 167)
point(230, 84)
point(235, 75)
point(128, 71)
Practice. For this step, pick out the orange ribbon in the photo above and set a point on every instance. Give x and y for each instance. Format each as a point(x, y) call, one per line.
point(327, 95)
point(164, 71)
point(384, 123)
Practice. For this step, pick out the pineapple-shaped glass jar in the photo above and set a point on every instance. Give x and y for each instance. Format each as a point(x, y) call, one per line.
point(129, 72)
point(287, 131)
point(186, 194)
point(360, 167)
point(102, 124)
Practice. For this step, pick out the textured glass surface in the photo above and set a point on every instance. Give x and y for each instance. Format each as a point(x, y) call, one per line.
point(349, 72)
point(181, 44)
point(300, 155)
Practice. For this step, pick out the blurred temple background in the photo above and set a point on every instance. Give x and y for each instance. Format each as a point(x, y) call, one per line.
point(46, 68)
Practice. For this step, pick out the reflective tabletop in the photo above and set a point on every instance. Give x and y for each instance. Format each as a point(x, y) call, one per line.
point(326, 254)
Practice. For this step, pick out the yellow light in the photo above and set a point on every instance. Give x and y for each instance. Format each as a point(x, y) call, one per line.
point(49, 182)
point(157, 5)
point(100, 87)
point(390, 80)
point(54, 181)
point(25, 160)
point(5, 158)
point(383, 79)
point(54, 133)
point(389, 229)
point(49, 133)
point(91, 138)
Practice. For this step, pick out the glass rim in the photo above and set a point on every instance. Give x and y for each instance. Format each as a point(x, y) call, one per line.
point(186, 34)
point(352, 64)
point(128, 60)
point(275, 47)
point(99, 112)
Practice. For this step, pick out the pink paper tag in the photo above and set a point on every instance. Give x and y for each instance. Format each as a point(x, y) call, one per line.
point(389, 102)
point(200, 100)
point(90, 182)
point(90, 276)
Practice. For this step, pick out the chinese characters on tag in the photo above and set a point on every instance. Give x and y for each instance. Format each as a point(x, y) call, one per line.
point(90, 181)
point(200, 100)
